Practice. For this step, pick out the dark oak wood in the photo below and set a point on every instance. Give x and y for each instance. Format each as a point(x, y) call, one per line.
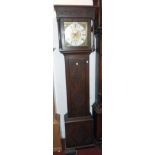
point(78, 121)
point(75, 11)
point(79, 132)
point(77, 78)
point(97, 107)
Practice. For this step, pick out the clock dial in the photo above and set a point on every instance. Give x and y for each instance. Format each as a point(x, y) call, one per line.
point(75, 33)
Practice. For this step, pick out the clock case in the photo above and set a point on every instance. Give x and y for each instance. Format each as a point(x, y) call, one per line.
point(78, 121)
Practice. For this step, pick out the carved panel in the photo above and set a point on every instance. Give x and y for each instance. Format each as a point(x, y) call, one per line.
point(79, 132)
point(77, 67)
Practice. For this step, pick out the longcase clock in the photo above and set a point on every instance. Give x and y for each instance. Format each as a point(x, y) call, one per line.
point(75, 25)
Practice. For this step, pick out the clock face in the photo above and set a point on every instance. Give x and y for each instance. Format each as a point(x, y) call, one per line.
point(75, 33)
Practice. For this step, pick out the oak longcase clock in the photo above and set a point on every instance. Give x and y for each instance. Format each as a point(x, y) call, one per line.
point(75, 26)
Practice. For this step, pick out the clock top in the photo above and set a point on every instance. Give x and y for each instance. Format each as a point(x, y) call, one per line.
point(75, 11)
point(76, 28)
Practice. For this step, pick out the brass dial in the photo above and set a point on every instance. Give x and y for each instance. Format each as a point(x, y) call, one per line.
point(75, 33)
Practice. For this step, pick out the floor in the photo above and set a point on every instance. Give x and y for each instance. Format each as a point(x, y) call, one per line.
point(87, 151)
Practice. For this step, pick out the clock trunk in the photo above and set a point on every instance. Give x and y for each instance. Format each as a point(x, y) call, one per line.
point(77, 80)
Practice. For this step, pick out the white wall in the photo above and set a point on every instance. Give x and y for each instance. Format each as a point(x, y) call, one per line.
point(59, 72)
point(71, 2)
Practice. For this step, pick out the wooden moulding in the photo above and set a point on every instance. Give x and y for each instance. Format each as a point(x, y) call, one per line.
point(75, 11)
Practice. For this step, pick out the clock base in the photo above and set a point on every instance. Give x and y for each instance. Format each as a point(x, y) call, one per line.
point(79, 131)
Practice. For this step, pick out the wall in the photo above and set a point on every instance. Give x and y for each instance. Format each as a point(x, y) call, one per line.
point(59, 71)
point(70, 2)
